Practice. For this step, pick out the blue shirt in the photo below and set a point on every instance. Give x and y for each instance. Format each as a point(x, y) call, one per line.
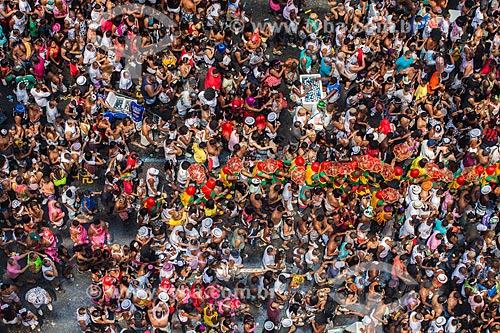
point(324, 69)
point(403, 63)
point(439, 227)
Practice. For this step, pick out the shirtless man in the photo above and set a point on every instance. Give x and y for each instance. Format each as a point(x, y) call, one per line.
point(5, 143)
point(19, 53)
point(188, 9)
point(146, 134)
point(303, 231)
point(158, 316)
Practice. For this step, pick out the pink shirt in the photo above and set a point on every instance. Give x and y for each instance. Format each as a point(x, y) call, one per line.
point(433, 242)
point(13, 271)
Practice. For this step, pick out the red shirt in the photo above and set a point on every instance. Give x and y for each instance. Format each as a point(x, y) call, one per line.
point(211, 81)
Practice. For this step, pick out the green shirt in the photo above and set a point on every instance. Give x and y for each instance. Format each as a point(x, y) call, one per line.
point(29, 80)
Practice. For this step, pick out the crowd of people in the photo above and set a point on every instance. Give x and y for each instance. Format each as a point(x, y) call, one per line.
point(376, 204)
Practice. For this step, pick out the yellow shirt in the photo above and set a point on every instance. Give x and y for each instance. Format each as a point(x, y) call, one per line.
point(420, 92)
point(199, 154)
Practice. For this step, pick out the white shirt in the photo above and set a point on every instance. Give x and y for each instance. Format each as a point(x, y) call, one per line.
point(40, 97)
point(426, 152)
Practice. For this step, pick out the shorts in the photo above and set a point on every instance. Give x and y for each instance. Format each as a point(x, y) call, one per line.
point(175, 11)
point(303, 238)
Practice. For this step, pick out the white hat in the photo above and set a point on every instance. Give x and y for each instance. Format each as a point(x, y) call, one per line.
point(415, 189)
point(81, 80)
point(217, 232)
point(143, 232)
point(486, 189)
point(440, 321)
point(249, 121)
point(153, 171)
point(287, 322)
point(339, 264)
point(163, 296)
point(126, 304)
point(493, 219)
point(313, 36)
point(355, 150)
point(442, 278)
point(475, 133)
point(269, 325)
point(481, 227)
point(271, 116)
point(207, 222)
point(256, 181)
point(76, 146)
point(142, 294)
point(417, 204)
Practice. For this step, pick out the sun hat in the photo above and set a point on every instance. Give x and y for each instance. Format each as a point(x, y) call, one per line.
point(475, 133)
point(442, 278)
point(271, 117)
point(249, 121)
point(81, 80)
point(339, 264)
point(417, 204)
point(143, 232)
point(142, 294)
point(207, 222)
point(217, 232)
point(256, 181)
point(286, 322)
point(486, 189)
point(126, 303)
point(163, 296)
point(167, 266)
point(20, 108)
point(269, 325)
point(440, 321)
